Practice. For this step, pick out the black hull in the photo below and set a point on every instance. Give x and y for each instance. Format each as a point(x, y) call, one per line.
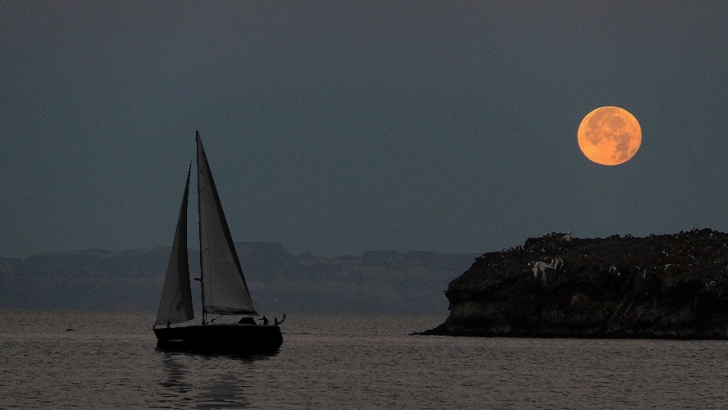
point(227, 338)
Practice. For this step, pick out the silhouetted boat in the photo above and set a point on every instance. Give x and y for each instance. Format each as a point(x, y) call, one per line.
point(224, 291)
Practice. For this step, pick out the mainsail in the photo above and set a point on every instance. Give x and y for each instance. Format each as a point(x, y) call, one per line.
point(224, 290)
point(176, 303)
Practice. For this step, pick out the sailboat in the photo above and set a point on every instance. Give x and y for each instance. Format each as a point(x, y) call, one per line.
point(224, 290)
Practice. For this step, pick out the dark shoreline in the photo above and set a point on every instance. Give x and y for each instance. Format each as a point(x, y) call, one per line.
point(602, 336)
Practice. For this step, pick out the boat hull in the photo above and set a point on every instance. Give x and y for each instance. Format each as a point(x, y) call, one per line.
point(233, 338)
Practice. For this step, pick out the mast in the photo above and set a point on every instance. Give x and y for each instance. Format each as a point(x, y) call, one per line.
point(199, 226)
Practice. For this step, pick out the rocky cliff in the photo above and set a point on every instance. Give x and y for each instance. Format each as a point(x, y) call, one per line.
point(660, 286)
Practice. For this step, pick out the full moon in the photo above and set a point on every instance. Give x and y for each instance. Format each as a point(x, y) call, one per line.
point(609, 135)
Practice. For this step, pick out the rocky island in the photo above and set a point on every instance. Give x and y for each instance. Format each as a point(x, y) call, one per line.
point(660, 286)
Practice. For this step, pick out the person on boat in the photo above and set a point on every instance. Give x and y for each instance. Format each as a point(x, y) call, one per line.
point(264, 320)
point(276, 322)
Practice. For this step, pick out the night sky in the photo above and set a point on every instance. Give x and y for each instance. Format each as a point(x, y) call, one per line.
point(337, 128)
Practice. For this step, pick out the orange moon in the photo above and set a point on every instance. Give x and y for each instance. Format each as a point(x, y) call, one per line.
point(609, 136)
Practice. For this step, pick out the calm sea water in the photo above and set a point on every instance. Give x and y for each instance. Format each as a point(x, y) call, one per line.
point(110, 360)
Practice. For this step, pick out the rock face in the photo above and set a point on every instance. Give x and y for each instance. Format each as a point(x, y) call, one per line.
point(660, 286)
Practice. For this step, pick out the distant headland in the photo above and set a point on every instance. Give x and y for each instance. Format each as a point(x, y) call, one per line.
point(660, 286)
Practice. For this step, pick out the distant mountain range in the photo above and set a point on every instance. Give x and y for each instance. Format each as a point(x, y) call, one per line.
point(378, 281)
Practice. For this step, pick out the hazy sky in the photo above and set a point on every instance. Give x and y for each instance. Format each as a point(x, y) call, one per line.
point(341, 127)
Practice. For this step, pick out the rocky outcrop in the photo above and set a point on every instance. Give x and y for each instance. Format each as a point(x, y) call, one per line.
point(660, 286)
